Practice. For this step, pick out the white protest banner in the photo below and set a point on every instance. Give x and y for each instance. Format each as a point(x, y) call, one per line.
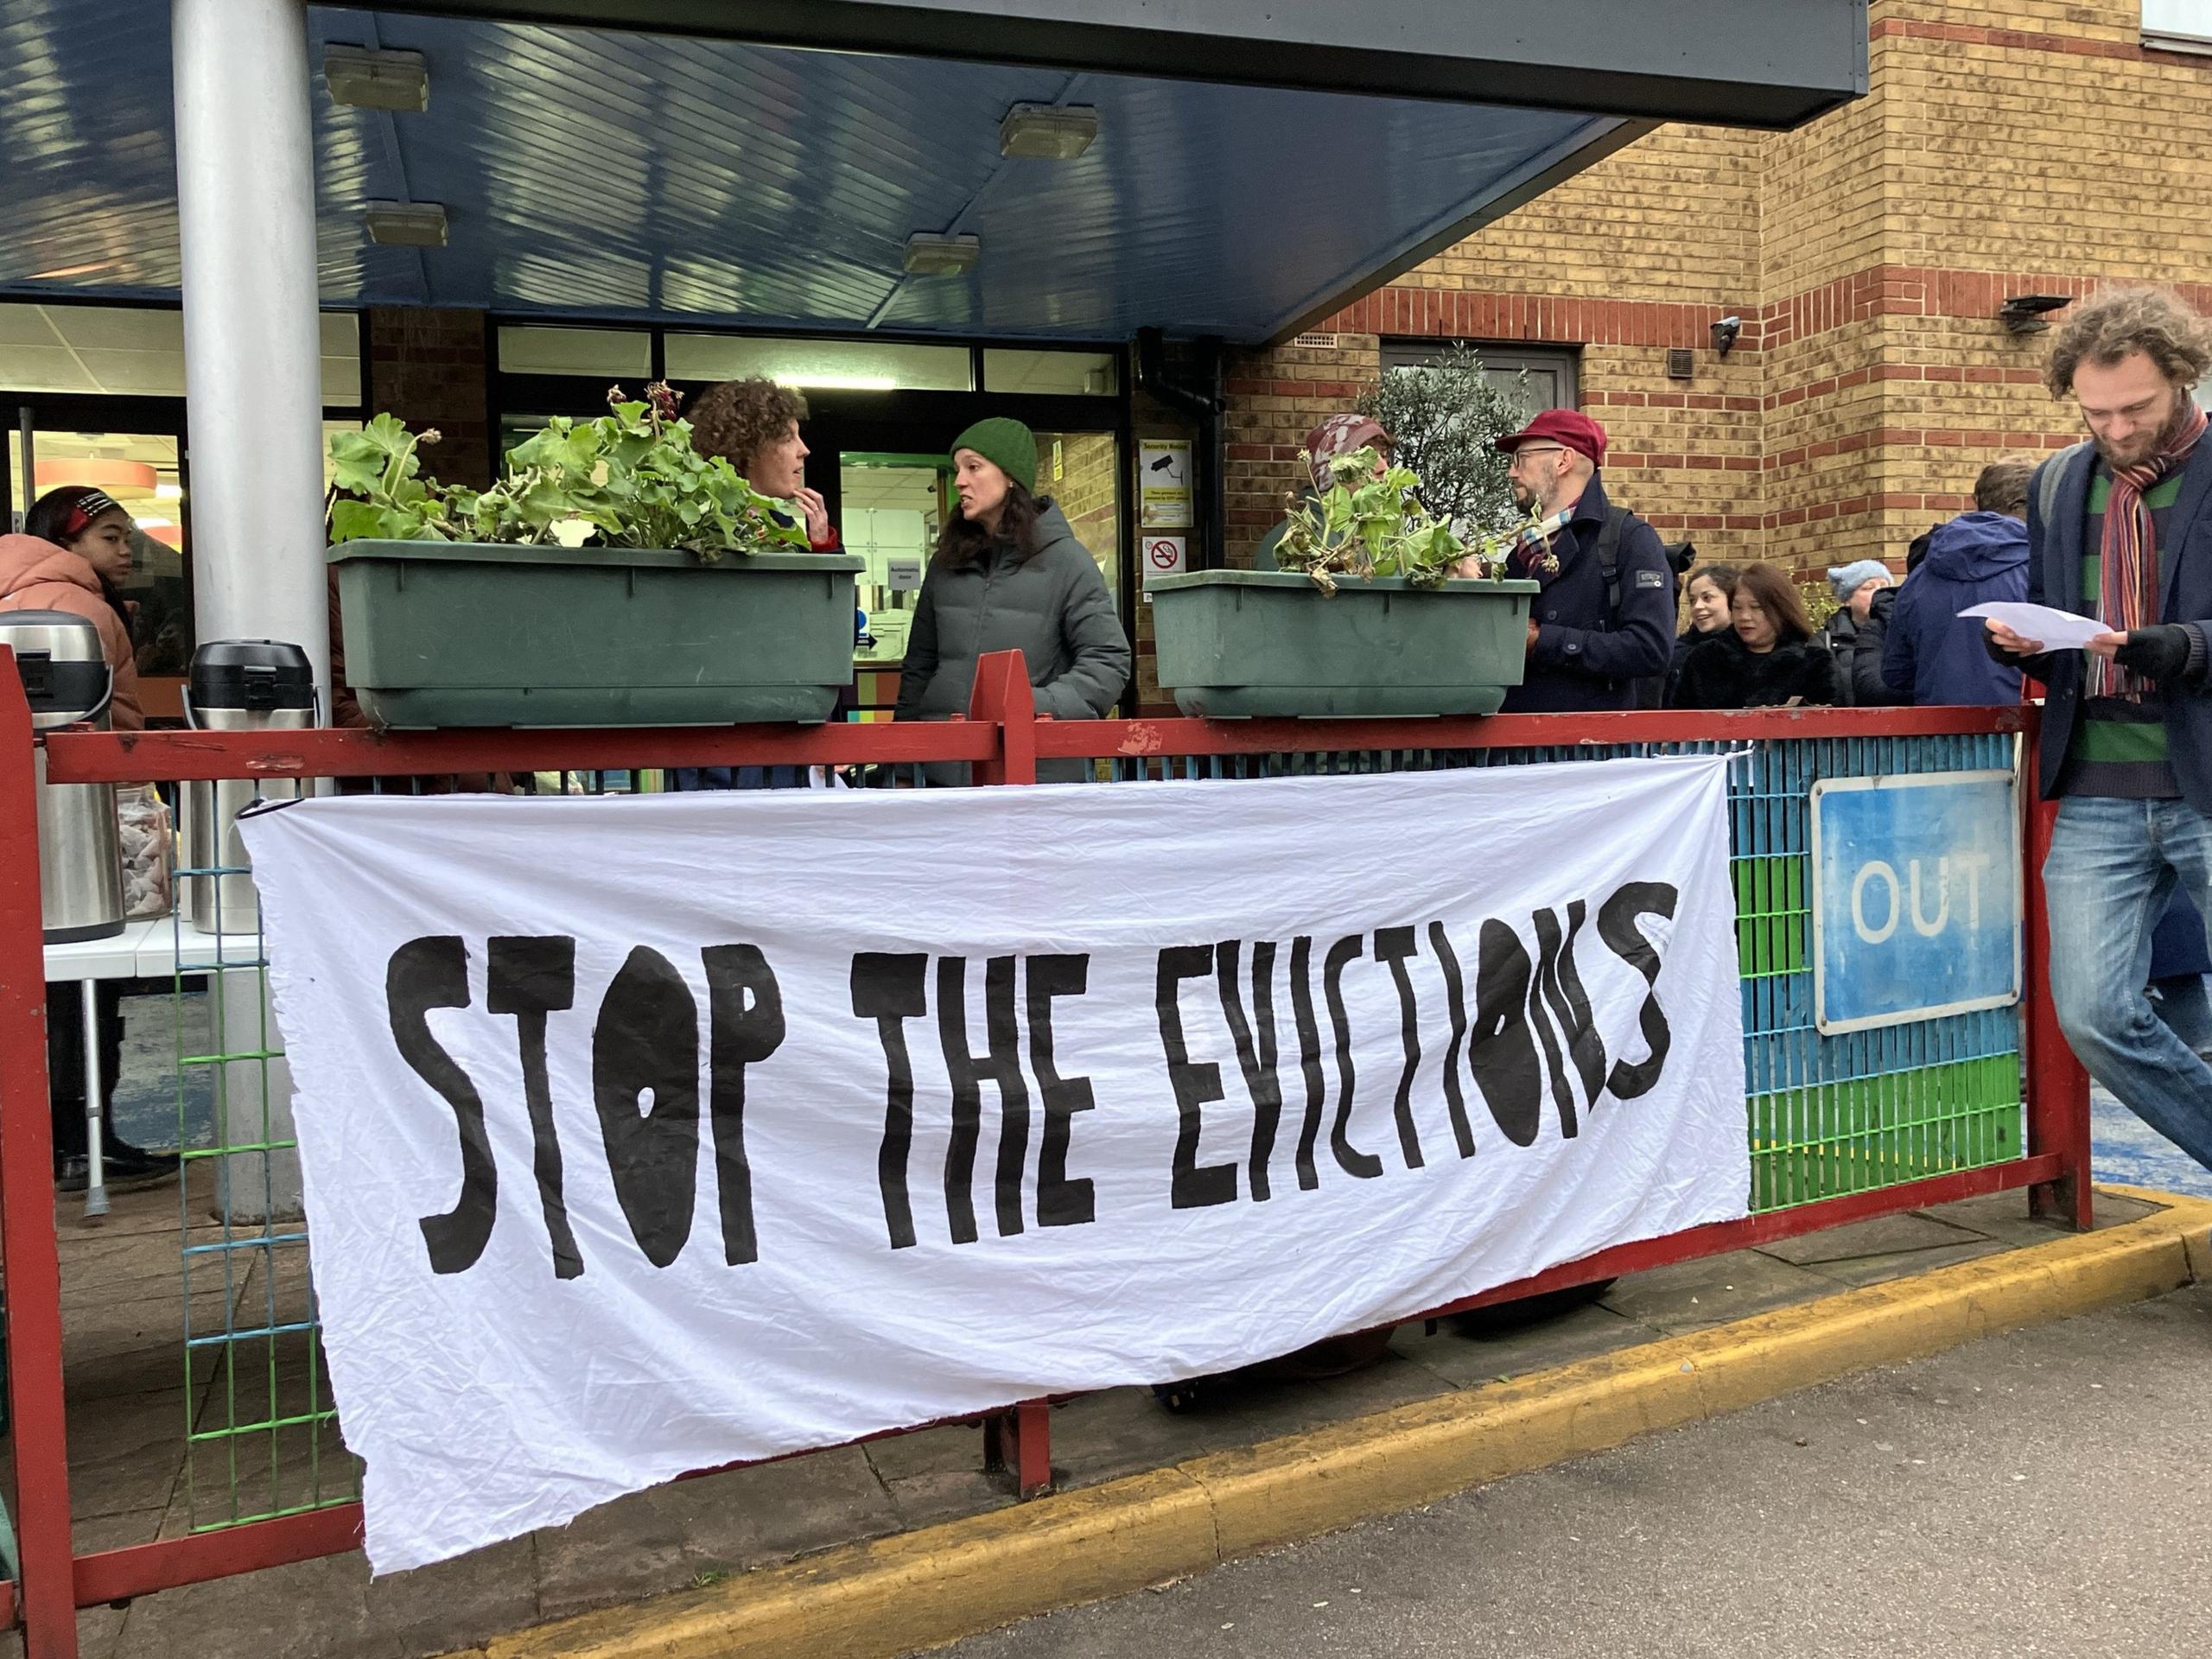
point(643, 1134)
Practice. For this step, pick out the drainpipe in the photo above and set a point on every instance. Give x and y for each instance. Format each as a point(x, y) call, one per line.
point(1204, 402)
point(252, 348)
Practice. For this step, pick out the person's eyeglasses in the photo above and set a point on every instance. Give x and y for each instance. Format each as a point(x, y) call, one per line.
point(1527, 450)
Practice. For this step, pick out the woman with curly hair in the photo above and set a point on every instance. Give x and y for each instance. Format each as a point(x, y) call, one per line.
point(754, 425)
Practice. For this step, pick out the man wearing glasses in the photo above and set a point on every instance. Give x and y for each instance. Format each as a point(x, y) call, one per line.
point(1605, 618)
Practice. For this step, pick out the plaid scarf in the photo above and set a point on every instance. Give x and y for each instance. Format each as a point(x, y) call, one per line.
point(2129, 577)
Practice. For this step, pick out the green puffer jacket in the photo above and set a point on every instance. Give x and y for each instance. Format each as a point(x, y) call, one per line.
point(1053, 608)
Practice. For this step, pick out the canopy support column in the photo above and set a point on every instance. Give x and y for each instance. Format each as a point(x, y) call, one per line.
point(253, 382)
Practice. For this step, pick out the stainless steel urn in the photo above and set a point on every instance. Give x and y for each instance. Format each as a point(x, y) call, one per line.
point(68, 683)
point(238, 686)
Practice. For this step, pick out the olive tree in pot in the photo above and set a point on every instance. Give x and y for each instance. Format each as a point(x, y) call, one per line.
point(613, 576)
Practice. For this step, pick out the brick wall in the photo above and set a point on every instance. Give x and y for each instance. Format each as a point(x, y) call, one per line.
point(1867, 253)
point(429, 368)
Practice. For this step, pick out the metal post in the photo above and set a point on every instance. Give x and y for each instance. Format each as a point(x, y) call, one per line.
point(245, 208)
point(36, 1418)
point(2057, 1087)
point(95, 1091)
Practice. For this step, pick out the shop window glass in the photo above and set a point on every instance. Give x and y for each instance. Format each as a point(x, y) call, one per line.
point(138, 351)
point(830, 365)
point(614, 352)
point(1553, 378)
point(1077, 374)
point(2184, 25)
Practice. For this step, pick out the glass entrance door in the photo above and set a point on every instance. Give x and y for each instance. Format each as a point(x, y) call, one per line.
point(891, 505)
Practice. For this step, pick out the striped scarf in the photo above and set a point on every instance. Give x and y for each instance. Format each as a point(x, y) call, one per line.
point(2129, 575)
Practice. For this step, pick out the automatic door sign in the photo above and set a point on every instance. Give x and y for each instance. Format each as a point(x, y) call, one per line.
point(1915, 900)
point(1164, 483)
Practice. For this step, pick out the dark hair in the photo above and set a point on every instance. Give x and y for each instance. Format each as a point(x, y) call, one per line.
point(1770, 586)
point(2003, 487)
point(1723, 576)
point(48, 520)
point(963, 543)
point(737, 419)
point(2121, 321)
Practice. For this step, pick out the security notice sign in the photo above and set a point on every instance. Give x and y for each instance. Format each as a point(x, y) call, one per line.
point(1164, 483)
point(611, 1176)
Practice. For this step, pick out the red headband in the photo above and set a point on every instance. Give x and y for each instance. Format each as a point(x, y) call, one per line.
point(94, 504)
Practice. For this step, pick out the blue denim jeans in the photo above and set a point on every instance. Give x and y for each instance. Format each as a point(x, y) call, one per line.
point(2112, 866)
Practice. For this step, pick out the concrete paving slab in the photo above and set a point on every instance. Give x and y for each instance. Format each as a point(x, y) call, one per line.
point(719, 1524)
point(1883, 1236)
point(1874, 1269)
point(1689, 1295)
point(1468, 1361)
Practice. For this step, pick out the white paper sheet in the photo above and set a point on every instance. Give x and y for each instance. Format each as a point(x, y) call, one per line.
point(2057, 630)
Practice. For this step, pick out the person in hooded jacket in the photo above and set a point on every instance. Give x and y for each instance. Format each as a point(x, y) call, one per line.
point(74, 556)
point(1858, 632)
point(1931, 650)
point(1008, 574)
point(1769, 659)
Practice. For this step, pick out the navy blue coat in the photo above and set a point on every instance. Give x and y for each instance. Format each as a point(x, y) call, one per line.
point(1585, 657)
point(1931, 650)
point(2055, 578)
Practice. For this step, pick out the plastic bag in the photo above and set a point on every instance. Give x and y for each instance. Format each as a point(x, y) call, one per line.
point(143, 822)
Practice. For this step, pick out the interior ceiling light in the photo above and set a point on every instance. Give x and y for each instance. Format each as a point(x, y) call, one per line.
point(406, 224)
point(1048, 132)
point(929, 254)
point(373, 79)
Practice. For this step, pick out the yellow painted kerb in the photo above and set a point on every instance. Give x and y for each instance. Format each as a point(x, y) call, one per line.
point(893, 1595)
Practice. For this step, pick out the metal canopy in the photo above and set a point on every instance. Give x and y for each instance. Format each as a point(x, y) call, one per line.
point(1765, 63)
point(625, 173)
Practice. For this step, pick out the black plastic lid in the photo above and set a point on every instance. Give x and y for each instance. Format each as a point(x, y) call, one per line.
point(251, 674)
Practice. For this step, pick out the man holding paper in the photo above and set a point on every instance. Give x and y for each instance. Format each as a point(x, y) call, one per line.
point(2119, 531)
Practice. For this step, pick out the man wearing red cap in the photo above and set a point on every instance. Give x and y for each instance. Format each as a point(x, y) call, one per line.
point(1605, 618)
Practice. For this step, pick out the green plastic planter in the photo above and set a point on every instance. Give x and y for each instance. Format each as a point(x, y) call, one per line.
point(1238, 644)
point(458, 634)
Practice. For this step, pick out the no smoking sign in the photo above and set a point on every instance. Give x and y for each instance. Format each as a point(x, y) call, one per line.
point(1163, 554)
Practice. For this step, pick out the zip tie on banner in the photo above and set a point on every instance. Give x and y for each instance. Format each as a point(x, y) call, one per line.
point(1739, 753)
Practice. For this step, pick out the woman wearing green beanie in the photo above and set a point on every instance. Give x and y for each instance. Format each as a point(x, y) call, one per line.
point(1009, 575)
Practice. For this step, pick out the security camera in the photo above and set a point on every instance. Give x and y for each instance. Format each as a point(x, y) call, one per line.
point(1725, 332)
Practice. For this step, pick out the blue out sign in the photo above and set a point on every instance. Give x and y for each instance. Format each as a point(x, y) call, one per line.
point(1917, 906)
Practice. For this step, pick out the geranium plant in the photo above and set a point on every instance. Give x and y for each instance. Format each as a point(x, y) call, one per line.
point(628, 478)
point(1369, 522)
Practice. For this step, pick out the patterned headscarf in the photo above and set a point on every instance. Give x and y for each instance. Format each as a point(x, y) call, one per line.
point(1339, 435)
point(2129, 596)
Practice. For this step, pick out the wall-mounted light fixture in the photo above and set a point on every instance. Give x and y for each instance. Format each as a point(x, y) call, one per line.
point(2027, 314)
point(406, 224)
point(930, 254)
point(1048, 132)
point(1724, 333)
point(373, 79)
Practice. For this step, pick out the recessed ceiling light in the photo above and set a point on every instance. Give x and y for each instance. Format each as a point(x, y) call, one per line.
point(371, 79)
point(1048, 132)
point(929, 254)
point(406, 224)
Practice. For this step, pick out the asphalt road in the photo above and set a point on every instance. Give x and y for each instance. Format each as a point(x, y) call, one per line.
point(2045, 1493)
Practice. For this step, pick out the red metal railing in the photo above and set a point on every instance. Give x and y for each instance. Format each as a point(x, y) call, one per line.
point(1002, 740)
